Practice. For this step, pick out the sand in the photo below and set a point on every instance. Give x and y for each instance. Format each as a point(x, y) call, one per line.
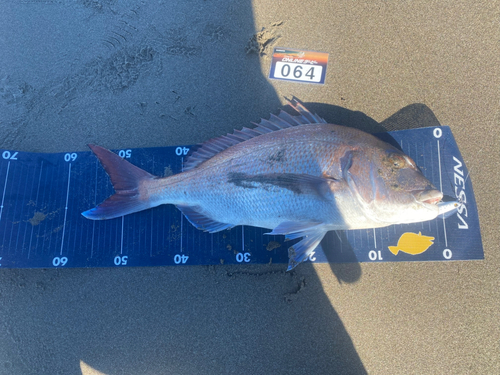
point(145, 74)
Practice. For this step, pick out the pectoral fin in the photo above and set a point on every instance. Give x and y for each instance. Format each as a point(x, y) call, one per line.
point(294, 229)
point(302, 249)
point(312, 234)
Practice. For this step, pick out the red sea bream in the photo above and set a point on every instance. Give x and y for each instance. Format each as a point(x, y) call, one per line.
point(296, 175)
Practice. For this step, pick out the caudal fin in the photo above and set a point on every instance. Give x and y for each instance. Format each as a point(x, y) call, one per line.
point(126, 179)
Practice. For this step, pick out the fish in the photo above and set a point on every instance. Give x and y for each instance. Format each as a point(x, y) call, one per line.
point(296, 175)
point(412, 243)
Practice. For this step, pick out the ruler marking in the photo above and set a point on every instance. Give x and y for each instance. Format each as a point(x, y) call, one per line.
point(151, 232)
point(416, 160)
point(140, 235)
point(182, 228)
point(434, 177)
point(151, 247)
point(428, 175)
point(32, 186)
point(80, 241)
point(168, 229)
point(137, 236)
point(14, 211)
point(439, 164)
point(161, 228)
point(121, 244)
point(182, 215)
point(441, 188)
point(340, 242)
point(65, 209)
point(25, 227)
point(36, 203)
point(78, 191)
point(4, 188)
point(375, 238)
point(92, 246)
point(32, 179)
point(95, 202)
point(3, 197)
point(53, 232)
point(38, 226)
point(242, 238)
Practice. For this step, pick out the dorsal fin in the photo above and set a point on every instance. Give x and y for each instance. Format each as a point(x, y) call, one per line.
point(275, 123)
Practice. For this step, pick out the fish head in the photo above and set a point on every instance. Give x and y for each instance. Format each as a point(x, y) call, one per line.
point(389, 186)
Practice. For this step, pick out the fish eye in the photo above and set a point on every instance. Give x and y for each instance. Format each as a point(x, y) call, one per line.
point(397, 161)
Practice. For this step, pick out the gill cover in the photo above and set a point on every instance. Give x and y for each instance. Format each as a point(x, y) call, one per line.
point(358, 172)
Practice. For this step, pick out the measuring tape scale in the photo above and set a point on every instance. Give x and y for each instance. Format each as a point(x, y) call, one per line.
point(43, 196)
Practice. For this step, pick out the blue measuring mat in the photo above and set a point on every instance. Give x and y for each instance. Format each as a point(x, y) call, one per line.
point(43, 195)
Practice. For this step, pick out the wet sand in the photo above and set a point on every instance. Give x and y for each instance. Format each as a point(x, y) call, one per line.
point(143, 75)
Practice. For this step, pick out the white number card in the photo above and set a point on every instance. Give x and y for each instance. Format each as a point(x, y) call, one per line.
point(300, 66)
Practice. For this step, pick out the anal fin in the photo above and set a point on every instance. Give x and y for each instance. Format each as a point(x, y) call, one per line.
point(201, 221)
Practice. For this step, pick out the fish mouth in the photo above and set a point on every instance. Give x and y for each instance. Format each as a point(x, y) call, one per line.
point(432, 196)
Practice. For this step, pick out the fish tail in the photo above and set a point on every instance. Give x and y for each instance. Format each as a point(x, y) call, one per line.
point(394, 250)
point(127, 180)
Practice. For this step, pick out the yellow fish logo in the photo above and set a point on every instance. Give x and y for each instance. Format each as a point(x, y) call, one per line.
point(412, 243)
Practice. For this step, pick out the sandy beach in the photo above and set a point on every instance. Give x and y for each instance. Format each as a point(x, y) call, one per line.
point(151, 74)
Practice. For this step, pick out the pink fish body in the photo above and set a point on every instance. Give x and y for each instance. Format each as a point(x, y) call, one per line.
point(296, 175)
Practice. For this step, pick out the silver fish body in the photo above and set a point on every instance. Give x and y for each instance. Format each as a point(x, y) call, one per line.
point(295, 175)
